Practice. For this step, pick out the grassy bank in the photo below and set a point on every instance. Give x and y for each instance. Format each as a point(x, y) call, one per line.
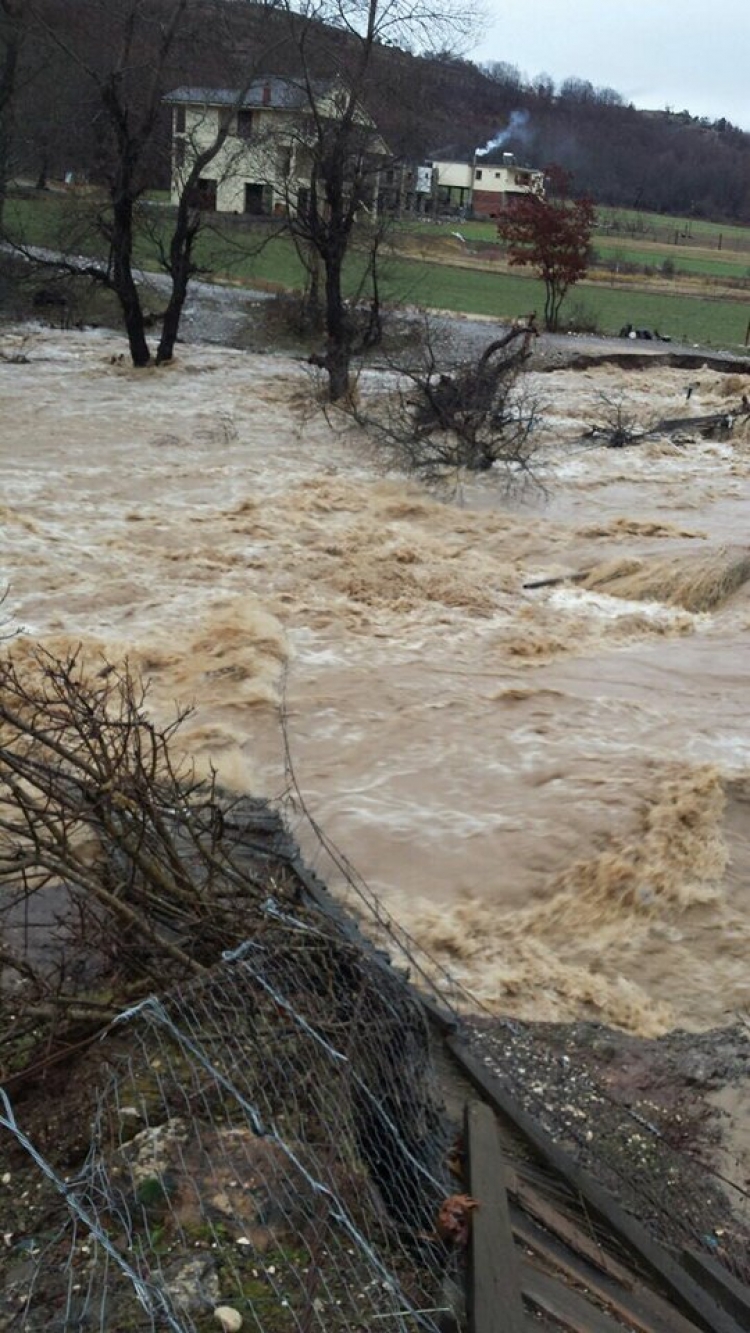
point(696, 292)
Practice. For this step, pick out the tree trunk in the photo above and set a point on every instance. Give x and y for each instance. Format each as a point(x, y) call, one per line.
point(338, 352)
point(10, 32)
point(313, 312)
point(134, 327)
point(123, 282)
point(180, 270)
point(169, 329)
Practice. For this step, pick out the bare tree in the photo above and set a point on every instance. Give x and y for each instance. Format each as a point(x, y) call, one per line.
point(345, 155)
point(440, 423)
point(123, 860)
point(127, 73)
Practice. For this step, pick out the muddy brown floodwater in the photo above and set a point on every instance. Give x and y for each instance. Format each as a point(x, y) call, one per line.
point(549, 787)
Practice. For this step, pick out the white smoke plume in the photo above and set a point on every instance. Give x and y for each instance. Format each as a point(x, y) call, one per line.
point(516, 126)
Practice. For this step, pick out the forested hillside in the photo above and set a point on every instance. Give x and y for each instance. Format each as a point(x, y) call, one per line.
point(658, 160)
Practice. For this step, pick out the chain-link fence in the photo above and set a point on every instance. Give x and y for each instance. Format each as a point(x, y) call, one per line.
point(272, 1143)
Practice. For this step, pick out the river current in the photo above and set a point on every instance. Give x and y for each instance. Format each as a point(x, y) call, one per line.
point(548, 786)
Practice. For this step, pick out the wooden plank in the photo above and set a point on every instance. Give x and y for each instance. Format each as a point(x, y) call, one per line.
point(659, 1313)
point(698, 1304)
point(568, 1307)
point(728, 1290)
point(494, 1295)
point(566, 1229)
point(641, 1308)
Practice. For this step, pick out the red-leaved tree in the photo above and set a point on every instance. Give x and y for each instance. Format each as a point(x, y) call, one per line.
point(551, 233)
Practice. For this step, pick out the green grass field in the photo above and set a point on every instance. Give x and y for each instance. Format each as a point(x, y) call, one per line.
point(245, 252)
point(657, 226)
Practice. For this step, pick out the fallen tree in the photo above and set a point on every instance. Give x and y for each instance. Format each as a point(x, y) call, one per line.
point(440, 422)
point(620, 426)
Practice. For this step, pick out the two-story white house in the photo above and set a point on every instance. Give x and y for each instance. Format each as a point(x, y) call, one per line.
point(264, 164)
point(478, 186)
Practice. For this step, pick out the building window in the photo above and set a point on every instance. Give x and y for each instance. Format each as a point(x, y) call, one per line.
point(254, 198)
point(497, 175)
point(204, 194)
point(245, 124)
point(179, 153)
point(179, 120)
point(303, 201)
point(478, 175)
point(225, 119)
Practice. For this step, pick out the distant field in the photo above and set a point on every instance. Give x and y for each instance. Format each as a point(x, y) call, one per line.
point(457, 266)
point(682, 231)
point(691, 319)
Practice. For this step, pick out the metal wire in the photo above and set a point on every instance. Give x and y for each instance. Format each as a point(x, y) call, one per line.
point(274, 1142)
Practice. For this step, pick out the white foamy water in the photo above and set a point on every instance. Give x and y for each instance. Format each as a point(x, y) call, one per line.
point(549, 787)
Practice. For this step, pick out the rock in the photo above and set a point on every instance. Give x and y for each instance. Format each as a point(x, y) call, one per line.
point(229, 1318)
point(193, 1285)
point(697, 1068)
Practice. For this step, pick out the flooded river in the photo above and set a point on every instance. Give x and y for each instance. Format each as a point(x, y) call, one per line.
point(548, 786)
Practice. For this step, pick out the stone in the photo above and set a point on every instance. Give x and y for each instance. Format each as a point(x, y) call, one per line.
point(193, 1285)
point(229, 1318)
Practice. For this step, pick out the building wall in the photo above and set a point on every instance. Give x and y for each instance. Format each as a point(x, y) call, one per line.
point(488, 203)
point(482, 187)
point(497, 187)
point(453, 175)
point(272, 159)
point(267, 158)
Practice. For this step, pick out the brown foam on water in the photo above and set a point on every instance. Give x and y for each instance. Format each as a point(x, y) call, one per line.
point(581, 951)
point(226, 672)
point(696, 583)
point(676, 858)
point(565, 623)
point(633, 527)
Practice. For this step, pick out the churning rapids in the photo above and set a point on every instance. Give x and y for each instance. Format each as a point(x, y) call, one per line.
point(549, 787)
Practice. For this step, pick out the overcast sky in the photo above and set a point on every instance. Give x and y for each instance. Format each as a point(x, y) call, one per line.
point(689, 55)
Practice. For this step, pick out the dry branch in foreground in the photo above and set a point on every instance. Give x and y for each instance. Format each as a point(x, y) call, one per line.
point(118, 874)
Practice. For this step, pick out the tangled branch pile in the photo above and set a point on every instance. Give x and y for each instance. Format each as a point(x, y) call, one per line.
point(120, 872)
point(477, 417)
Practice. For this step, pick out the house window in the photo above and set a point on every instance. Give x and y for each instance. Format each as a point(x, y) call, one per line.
point(497, 175)
point(245, 124)
point(254, 200)
point(179, 120)
point(179, 153)
point(284, 162)
point(225, 119)
point(303, 201)
point(204, 195)
point(478, 175)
